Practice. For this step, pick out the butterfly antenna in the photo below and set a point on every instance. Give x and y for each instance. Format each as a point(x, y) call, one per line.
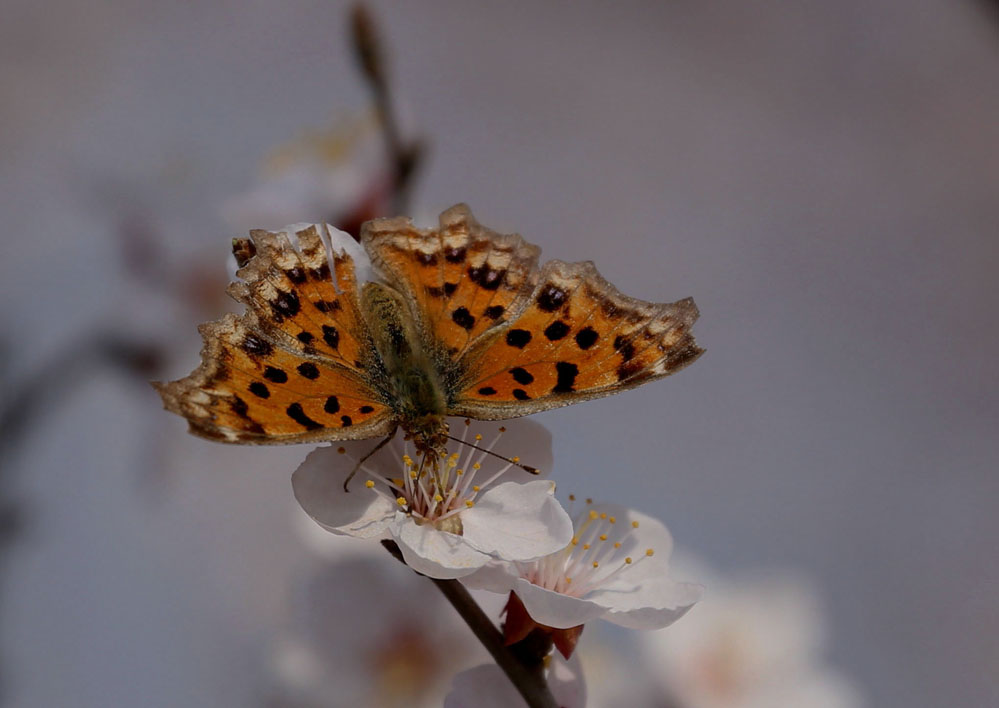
point(364, 459)
point(526, 468)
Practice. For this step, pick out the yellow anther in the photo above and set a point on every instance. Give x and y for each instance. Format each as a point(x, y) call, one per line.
point(514, 459)
point(586, 546)
point(370, 483)
point(589, 501)
point(575, 540)
point(459, 472)
point(568, 580)
point(397, 482)
point(412, 474)
point(469, 503)
point(603, 515)
point(603, 537)
point(478, 436)
point(572, 497)
point(634, 524)
point(475, 487)
point(617, 544)
point(594, 514)
point(649, 551)
point(612, 519)
point(476, 466)
point(401, 501)
point(502, 429)
point(628, 560)
point(341, 450)
point(468, 421)
point(595, 564)
point(438, 498)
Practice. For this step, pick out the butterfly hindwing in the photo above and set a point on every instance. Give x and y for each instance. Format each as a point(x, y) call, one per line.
point(291, 369)
point(577, 338)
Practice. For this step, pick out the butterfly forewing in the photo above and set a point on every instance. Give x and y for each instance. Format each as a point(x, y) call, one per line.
point(292, 368)
point(462, 280)
point(577, 338)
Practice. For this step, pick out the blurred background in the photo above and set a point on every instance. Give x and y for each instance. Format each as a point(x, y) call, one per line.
point(823, 178)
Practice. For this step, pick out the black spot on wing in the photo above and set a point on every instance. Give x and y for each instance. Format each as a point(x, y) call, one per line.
point(624, 347)
point(494, 312)
point(259, 390)
point(551, 297)
point(346, 421)
point(295, 275)
point(449, 288)
point(486, 277)
point(518, 338)
point(276, 375)
point(332, 405)
point(238, 406)
point(454, 254)
point(427, 259)
point(586, 337)
point(566, 377)
point(327, 305)
point(521, 376)
point(520, 394)
point(556, 330)
point(331, 336)
point(298, 415)
point(252, 344)
point(286, 304)
point(463, 318)
point(306, 337)
point(487, 391)
point(308, 370)
point(366, 409)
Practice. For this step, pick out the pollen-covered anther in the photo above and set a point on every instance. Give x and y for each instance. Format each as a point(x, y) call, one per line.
point(476, 466)
point(649, 552)
point(595, 564)
point(469, 503)
point(634, 524)
point(475, 487)
point(628, 560)
point(342, 450)
point(478, 437)
point(401, 501)
point(603, 537)
point(370, 484)
point(438, 498)
point(514, 459)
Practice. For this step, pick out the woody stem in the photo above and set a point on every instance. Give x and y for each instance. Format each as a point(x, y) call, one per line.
point(529, 681)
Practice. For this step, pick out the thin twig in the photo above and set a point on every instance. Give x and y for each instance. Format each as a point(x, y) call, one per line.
point(405, 156)
point(530, 684)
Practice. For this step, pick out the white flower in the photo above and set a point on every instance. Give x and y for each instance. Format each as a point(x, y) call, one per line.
point(364, 631)
point(448, 522)
point(487, 686)
point(615, 567)
point(339, 174)
point(754, 642)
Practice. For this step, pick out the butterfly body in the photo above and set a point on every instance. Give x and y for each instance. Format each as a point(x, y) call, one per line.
point(458, 321)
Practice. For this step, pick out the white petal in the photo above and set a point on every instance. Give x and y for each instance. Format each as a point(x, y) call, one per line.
point(495, 576)
point(654, 604)
point(555, 609)
point(318, 487)
point(517, 521)
point(434, 553)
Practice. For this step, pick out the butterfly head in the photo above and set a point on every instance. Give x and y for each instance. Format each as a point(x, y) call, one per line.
point(428, 432)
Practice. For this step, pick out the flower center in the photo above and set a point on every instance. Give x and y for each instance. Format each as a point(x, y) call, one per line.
point(599, 551)
point(437, 487)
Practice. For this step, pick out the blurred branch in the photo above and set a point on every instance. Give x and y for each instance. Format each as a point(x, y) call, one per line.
point(405, 156)
point(530, 683)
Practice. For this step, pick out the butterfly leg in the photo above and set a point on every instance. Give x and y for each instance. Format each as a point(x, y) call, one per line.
point(364, 459)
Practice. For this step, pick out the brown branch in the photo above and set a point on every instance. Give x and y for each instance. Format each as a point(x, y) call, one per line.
point(529, 683)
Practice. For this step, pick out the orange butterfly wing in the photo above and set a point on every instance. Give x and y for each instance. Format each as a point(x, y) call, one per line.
point(298, 365)
point(519, 339)
point(577, 338)
point(462, 280)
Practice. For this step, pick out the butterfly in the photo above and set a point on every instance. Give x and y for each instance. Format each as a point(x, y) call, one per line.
point(459, 321)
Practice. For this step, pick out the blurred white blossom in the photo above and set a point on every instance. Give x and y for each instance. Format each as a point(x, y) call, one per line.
point(753, 642)
point(487, 686)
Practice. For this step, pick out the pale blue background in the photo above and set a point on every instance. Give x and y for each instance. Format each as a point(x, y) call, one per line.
point(822, 177)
